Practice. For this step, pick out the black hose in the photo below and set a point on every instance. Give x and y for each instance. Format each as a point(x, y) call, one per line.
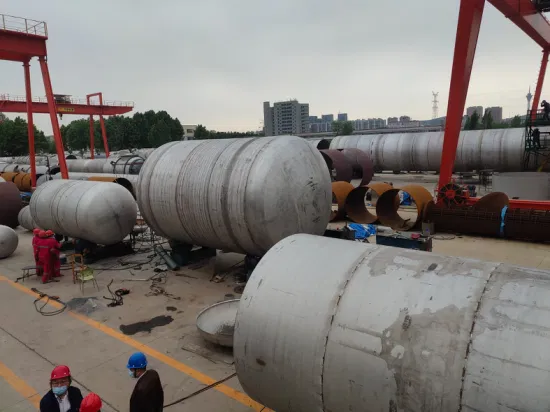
point(212, 385)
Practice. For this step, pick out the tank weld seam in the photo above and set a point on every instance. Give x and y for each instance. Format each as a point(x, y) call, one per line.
point(470, 341)
point(350, 273)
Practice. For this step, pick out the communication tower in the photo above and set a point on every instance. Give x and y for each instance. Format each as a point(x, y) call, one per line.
point(435, 107)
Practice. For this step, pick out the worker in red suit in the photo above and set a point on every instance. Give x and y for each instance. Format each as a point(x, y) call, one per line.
point(35, 238)
point(55, 247)
point(44, 258)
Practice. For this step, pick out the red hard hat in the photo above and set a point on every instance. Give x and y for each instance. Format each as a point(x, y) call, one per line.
point(36, 231)
point(91, 403)
point(49, 233)
point(42, 233)
point(60, 371)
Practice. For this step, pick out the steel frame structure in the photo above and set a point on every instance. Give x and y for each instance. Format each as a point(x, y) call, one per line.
point(21, 40)
point(525, 15)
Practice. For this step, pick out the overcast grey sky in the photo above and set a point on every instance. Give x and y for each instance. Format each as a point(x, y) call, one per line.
point(215, 61)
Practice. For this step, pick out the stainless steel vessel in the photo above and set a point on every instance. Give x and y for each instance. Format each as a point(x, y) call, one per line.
point(240, 195)
point(334, 325)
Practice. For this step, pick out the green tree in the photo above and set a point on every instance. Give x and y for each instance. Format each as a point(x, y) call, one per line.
point(337, 127)
point(516, 122)
point(159, 134)
point(473, 122)
point(347, 128)
point(14, 140)
point(201, 132)
point(487, 120)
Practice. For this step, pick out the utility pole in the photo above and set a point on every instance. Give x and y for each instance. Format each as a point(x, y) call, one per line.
point(435, 107)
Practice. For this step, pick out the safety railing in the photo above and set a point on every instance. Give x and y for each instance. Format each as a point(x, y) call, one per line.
point(22, 25)
point(65, 100)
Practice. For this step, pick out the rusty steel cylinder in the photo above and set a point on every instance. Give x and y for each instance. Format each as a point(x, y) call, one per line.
point(331, 325)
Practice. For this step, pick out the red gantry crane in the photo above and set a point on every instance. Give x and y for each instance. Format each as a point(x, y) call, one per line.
point(23, 39)
point(528, 16)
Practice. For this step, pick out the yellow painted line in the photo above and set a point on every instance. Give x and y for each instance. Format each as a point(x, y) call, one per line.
point(182, 367)
point(20, 385)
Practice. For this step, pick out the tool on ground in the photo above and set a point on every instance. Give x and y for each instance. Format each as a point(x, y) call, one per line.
point(42, 295)
point(116, 296)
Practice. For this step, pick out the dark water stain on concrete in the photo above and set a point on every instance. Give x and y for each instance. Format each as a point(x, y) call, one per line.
point(171, 308)
point(146, 326)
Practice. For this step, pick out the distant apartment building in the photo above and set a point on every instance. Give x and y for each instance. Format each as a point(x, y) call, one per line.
point(288, 117)
point(342, 117)
point(472, 109)
point(496, 113)
point(368, 124)
point(393, 121)
point(327, 118)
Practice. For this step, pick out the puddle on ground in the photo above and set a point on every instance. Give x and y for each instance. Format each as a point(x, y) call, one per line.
point(146, 326)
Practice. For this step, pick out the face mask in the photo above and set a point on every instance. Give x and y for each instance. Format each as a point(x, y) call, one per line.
point(131, 373)
point(59, 390)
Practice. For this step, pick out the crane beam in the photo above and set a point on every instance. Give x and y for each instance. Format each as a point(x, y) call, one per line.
point(525, 15)
point(17, 104)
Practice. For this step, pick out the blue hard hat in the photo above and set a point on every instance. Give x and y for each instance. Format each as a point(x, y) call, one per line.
point(137, 361)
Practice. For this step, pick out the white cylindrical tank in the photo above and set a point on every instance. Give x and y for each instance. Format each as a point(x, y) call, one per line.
point(8, 241)
point(100, 212)
point(25, 219)
point(523, 185)
point(496, 149)
point(240, 195)
point(333, 325)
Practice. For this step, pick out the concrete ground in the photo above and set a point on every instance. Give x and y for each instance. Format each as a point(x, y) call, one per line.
point(95, 340)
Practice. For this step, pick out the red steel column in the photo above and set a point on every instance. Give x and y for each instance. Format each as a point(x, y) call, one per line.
point(469, 23)
point(92, 137)
point(53, 117)
point(540, 83)
point(103, 131)
point(30, 122)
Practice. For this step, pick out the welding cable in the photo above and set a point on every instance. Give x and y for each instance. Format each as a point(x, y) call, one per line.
point(212, 385)
point(42, 295)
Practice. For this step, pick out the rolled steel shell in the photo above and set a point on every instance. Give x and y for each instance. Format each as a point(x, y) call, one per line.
point(23, 181)
point(340, 191)
point(100, 212)
point(10, 204)
point(531, 225)
point(240, 195)
point(388, 205)
point(361, 164)
point(374, 328)
point(10, 168)
point(1, 179)
point(8, 241)
point(87, 165)
point(321, 144)
point(40, 170)
point(133, 179)
point(25, 219)
point(497, 149)
point(9, 176)
point(492, 202)
point(336, 160)
point(355, 202)
point(118, 180)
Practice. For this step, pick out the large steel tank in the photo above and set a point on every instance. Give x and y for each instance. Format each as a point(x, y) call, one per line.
point(240, 195)
point(497, 149)
point(25, 219)
point(100, 212)
point(8, 241)
point(10, 204)
point(334, 325)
